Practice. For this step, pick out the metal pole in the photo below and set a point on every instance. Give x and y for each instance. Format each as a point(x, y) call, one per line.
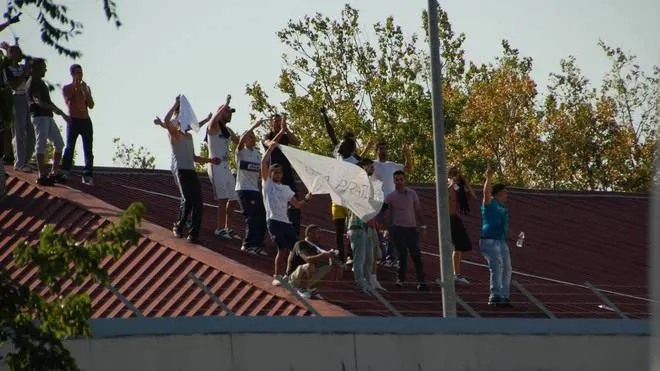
point(654, 251)
point(441, 195)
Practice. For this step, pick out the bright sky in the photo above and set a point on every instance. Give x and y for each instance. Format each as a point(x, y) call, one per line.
point(206, 49)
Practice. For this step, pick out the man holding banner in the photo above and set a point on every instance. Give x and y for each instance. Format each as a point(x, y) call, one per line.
point(277, 199)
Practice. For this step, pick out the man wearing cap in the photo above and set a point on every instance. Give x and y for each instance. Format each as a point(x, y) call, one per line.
point(219, 136)
point(183, 150)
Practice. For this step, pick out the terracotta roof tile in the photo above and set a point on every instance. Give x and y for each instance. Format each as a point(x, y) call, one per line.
point(153, 275)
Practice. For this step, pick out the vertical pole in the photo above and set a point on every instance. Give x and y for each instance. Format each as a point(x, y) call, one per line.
point(441, 194)
point(654, 252)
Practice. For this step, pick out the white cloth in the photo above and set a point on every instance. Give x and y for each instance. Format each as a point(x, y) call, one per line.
point(186, 116)
point(219, 147)
point(276, 200)
point(347, 184)
point(384, 171)
point(248, 169)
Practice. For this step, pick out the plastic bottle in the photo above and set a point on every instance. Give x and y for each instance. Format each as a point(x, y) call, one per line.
point(521, 239)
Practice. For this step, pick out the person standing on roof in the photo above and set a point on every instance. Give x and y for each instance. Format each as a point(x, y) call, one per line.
point(277, 199)
point(344, 150)
point(459, 235)
point(494, 229)
point(248, 166)
point(278, 122)
point(219, 136)
point(384, 170)
point(404, 215)
point(183, 151)
point(78, 98)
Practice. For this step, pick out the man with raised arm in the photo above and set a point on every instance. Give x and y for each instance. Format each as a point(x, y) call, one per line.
point(183, 151)
point(277, 199)
point(248, 166)
point(494, 228)
point(288, 138)
point(219, 136)
point(344, 150)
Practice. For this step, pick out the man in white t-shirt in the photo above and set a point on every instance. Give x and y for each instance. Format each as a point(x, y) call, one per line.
point(384, 171)
point(219, 136)
point(248, 166)
point(277, 198)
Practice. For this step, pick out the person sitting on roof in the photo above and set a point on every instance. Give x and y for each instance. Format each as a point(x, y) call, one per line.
point(494, 228)
point(183, 150)
point(277, 198)
point(308, 263)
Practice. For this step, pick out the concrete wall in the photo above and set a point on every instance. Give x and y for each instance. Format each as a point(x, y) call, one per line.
point(384, 352)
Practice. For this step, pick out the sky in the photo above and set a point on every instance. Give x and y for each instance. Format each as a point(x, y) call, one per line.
point(207, 49)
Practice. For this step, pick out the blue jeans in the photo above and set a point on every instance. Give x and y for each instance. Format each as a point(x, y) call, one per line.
point(363, 255)
point(497, 255)
point(252, 205)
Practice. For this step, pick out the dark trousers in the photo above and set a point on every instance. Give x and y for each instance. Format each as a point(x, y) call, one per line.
point(192, 193)
point(82, 127)
point(407, 239)
point(254, 213)
point(294, 217)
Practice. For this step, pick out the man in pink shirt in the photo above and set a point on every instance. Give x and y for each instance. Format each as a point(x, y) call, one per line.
point(404, 215)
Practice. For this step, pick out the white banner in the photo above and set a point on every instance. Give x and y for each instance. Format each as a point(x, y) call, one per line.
point(348, 185)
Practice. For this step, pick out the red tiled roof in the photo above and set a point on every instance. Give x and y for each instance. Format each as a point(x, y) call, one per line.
point(153, 275)
point(571, 238)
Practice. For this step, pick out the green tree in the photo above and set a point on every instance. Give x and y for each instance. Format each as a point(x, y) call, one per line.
point(36, 320)
point(203, 152)
point(57, 28)
point(132, 156)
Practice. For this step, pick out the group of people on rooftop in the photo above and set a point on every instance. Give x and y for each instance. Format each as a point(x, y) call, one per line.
point(270, 201)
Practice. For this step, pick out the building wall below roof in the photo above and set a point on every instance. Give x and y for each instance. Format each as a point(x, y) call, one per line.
point(363, 352)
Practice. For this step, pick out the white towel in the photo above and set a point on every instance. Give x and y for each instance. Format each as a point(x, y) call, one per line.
point(187, 118)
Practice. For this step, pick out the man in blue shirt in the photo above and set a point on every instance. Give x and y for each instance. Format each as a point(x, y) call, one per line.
point(494, 228)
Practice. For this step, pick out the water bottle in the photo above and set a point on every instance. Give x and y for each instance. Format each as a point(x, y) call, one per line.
point(521, 239)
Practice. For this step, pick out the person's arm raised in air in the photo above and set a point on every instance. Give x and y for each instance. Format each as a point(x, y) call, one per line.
point(367, 148)
point(328, 127)
point(488, 186)
point(205, 121)
point(407, 158)
point(241, 141)
point(10, 21)
point(292, 138)
point(265, 161)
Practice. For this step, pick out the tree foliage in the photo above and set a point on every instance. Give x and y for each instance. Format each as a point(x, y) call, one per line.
point(36, 319)
point(57, 28)
point(132, 156)
point(377, 84)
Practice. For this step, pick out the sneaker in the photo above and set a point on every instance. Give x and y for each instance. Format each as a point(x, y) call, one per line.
point(504, 303)
point(232, 234)
point(87, 180)
point(395, 264)
point(193, 239)
point(314, 292)
point(60, 178)
point(375, 284)
point(177, 233)
point(422, 286)
point(222, 233)
point(277, 280)
point(349, 261)
point(305, 293)
point(45, 181)
point(493, 301)
point(387, 264)
point(398, 282)
point(24, 168)
point(461, 279)
point(364, 287)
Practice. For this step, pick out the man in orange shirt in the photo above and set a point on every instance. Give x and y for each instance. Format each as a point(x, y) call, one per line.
point(78, 98)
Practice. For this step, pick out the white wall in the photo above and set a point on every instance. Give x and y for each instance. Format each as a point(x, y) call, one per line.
point(383, 352)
